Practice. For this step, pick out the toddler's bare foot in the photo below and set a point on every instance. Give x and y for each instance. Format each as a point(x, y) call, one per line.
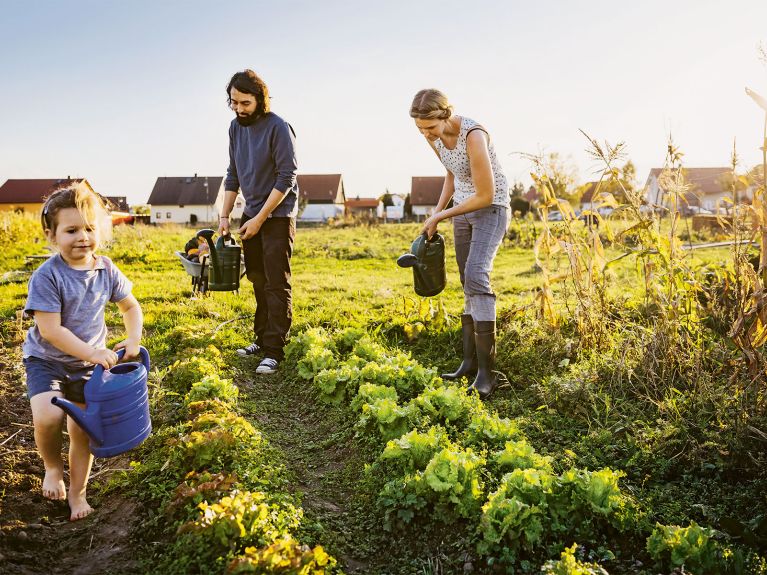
point(79, 507)
point(53, 484)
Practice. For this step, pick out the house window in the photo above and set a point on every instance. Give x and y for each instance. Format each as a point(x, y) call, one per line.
point(167, 215)
point(180, 206)
point(158, 215)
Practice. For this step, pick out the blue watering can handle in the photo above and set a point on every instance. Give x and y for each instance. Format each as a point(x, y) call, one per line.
point(142, 352)
point(98, 370)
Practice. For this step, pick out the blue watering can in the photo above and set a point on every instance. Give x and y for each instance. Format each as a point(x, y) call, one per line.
point(116, 415)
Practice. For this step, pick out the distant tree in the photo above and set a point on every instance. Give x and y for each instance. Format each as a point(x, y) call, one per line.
point(386, 199)
point(408, 208)
point(624, 179)
point(521, 205)
point(517, 190)
point(756, 175)
point(736, 184)
point(562, 177)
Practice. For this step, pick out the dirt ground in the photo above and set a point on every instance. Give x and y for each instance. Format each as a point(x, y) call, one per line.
point(36, 535)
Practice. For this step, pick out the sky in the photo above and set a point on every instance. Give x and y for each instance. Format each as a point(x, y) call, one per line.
point(124, 92)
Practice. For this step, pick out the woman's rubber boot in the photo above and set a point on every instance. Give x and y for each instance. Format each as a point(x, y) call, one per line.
point(484, 337)
point(469, 364)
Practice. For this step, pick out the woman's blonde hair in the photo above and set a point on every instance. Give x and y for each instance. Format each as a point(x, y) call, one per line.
point(78, 195)
point(430, 104)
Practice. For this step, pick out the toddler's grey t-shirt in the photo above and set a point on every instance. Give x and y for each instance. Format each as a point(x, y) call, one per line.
point(80, 296)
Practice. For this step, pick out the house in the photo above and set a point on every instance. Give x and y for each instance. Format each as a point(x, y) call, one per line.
point(587, 197)
point(237, 209)
point(118, 203)
point(321, 196)
point(182, 200)
point(363, 207)
point(708, 186)
point(396, 211)
point(424, 194)
point(29, 195)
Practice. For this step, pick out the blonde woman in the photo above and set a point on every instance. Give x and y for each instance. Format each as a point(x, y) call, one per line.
point(480, 214)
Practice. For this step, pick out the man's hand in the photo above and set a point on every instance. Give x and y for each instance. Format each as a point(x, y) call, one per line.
point(131, 348)
point(251, 228)
point(223, 226)
point(106, 358)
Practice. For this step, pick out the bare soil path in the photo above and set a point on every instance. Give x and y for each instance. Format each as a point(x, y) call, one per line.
point(321, 460)
point(36, 536)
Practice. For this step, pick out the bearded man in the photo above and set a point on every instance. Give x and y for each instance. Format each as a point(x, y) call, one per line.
point(262, 163)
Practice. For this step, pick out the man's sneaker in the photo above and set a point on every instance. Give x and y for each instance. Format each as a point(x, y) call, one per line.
point(251, 349)
point(267, 366)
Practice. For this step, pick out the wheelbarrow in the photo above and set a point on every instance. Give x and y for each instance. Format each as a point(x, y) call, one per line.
point(199, 271)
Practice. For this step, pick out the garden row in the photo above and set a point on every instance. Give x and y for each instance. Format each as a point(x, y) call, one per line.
point(218, 498)
point(445, 457)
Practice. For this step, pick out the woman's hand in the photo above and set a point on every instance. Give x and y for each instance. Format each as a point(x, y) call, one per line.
point(430, 225)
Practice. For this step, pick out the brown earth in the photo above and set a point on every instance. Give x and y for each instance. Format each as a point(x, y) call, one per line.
point(36, 535)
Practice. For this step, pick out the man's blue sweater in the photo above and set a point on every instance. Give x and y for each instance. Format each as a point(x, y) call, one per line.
point(262, 157)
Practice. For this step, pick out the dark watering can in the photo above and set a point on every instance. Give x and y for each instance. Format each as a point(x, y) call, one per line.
point(224, 262)
point(427, 258)
point(116, 415)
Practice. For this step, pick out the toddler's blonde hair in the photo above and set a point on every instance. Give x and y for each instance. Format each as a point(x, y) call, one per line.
point(78, 195)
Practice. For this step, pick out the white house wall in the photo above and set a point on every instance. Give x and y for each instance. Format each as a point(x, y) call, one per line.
point(239, 203)
point(423, 210)
point(320, 212)
point(177, 215)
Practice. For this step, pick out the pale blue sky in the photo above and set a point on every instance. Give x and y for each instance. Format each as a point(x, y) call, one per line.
point(124, 92)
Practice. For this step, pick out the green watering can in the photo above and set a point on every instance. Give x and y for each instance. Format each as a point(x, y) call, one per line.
point(427, 258)
point(224, 262)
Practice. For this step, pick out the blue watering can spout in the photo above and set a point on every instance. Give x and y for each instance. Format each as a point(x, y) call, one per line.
point(88, 420)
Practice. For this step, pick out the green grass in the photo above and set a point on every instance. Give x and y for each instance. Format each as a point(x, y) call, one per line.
point(681, 443)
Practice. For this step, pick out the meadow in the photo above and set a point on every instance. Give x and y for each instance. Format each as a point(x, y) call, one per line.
point(628, 436)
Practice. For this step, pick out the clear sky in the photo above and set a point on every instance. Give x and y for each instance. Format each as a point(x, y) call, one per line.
point(122, 92)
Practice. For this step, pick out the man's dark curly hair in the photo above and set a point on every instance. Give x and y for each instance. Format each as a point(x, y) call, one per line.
point(249, 82)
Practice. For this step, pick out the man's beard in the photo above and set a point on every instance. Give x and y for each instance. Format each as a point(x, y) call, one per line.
point(247, 120)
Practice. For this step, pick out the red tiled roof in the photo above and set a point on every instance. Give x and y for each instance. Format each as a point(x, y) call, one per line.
point(185, 191)
point(362, 203)
point(32, 191)
point(425, 190)
point(321, 188)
